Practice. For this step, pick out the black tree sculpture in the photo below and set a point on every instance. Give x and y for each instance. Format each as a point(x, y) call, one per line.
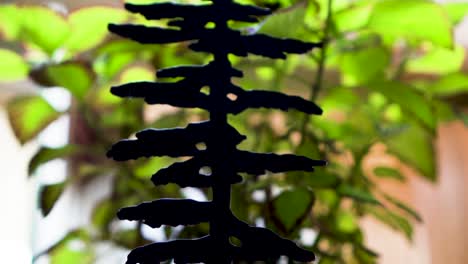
point(189, 23)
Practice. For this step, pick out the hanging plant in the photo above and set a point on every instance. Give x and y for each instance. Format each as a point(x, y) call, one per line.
point(215, 160)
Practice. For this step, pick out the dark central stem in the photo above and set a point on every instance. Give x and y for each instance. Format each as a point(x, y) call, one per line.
point(219, 152)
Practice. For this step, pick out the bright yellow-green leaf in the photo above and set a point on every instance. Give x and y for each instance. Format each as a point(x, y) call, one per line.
point(265, 73)
point(456, 11)
point(49, 195)
point(438, 61)
point(450, 85)
point(413, 20)
point(10, 22)
point(12, 66)
point(44, 28)
point(291, 216)
point(409, 100)
point(137, 74)
point(76, 78)
point(414, 147)
point(89, 26)
point(375, 59)
point(353, 18)
point(337, 6)
point(74, 248)
point(29, 115)
point(346, 222)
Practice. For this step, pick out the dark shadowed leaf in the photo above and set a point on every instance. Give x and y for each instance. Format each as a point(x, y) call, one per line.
point(45, 155)
point(12, 66)
point(49, 195)
point(29, 115)
point(292, 206)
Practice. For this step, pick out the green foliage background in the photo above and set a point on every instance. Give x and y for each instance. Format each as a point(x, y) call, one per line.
point(390, 73)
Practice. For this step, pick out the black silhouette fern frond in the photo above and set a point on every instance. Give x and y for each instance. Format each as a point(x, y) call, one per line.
point(188, 23)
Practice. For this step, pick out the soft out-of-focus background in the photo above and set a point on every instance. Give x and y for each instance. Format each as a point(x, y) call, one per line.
point(443, 204)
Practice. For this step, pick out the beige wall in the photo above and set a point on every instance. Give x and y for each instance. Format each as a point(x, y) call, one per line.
point(441, 239)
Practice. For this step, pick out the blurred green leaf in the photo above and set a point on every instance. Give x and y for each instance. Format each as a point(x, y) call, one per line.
point(29, 115)
point(293, 206)
point(445, 111)
point(293, 17)
point(357, 194)
point(89, 26)
point(413, 20)
point(376, 60)
point(438, 61)
point(44, 27)
point(321, 178)
point(456, 11)
point(103, 213)
point(137, 73)
point(353, 18)
point(414, 147)
point(75, 77)
point(387, 172)
point(74, 248)
point(345, 222)
point(109, 65)
point(45, 155)
point(406, 208)
point(339, 98)
point(392, 220)
point(409, 100)
point(12, 66)
point(148, 167)
point(450, 84)
point(129, 238)
point(10, 22)
point(49, 195)
point(365, 255)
